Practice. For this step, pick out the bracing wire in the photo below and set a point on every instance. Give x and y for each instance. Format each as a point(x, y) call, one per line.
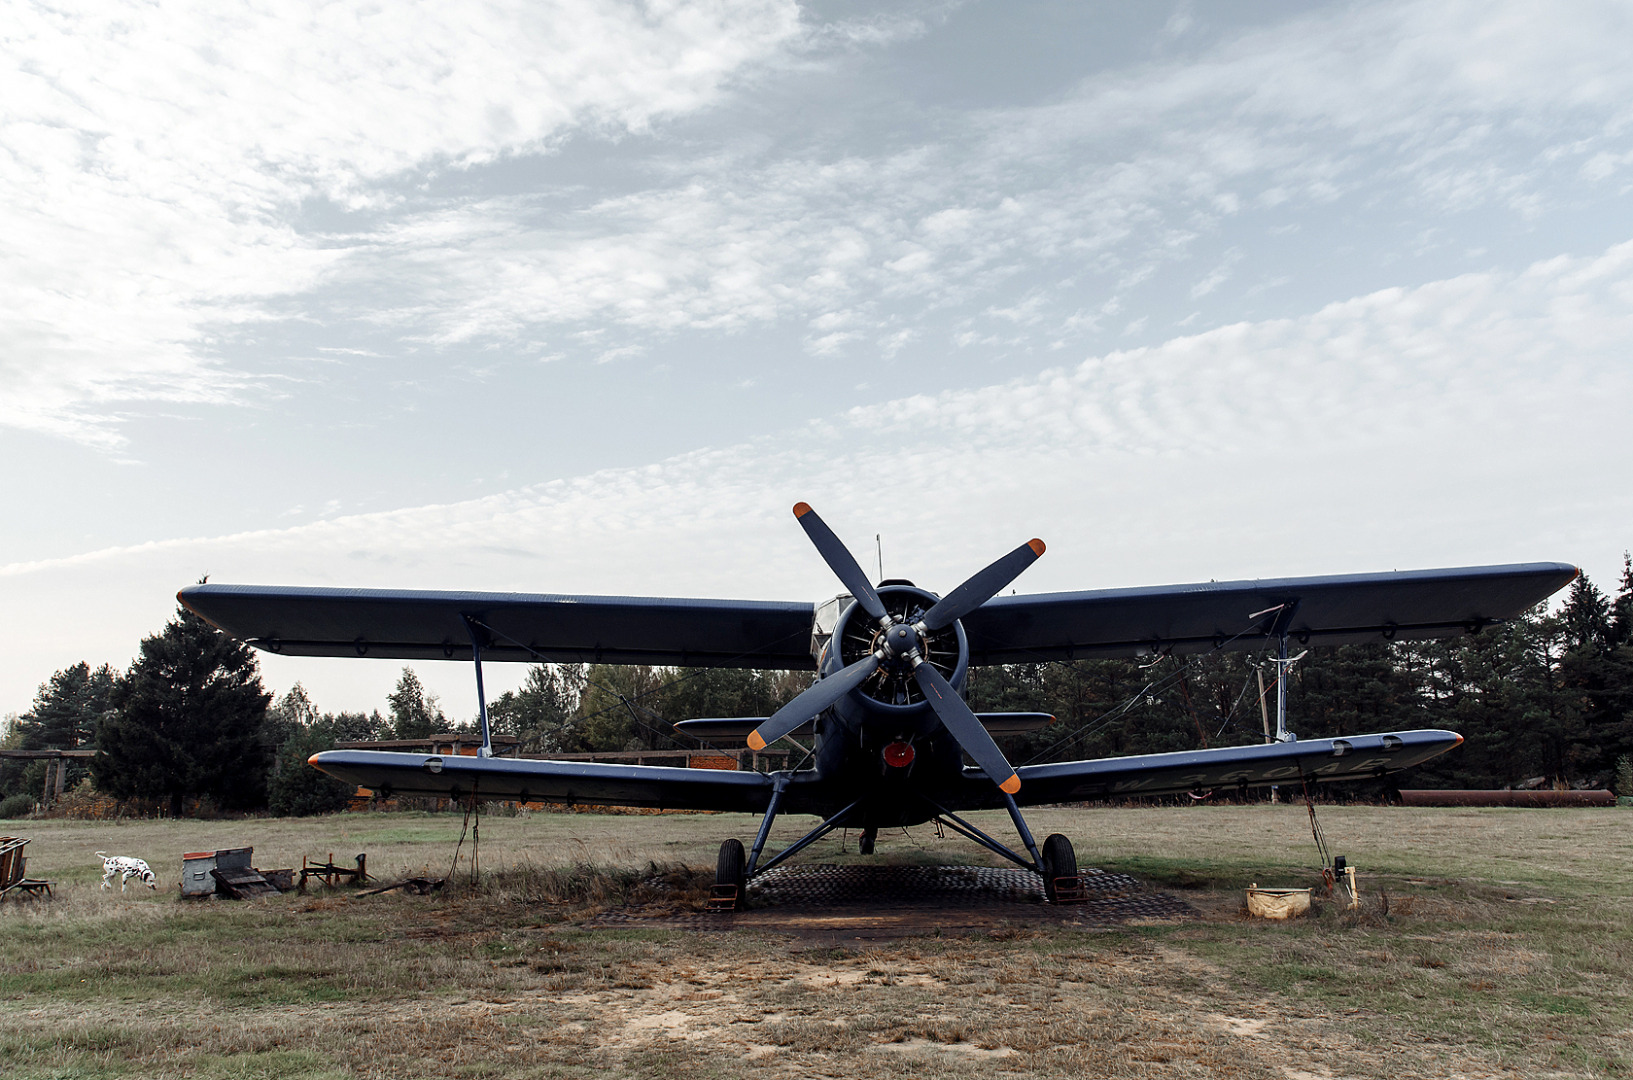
point(1123, 707)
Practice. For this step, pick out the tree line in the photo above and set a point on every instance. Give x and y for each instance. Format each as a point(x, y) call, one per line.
point(1544, 699)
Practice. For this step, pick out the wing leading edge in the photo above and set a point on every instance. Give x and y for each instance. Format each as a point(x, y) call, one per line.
point(524, 779)
point(528, 627)
point(1331, 610)
point(426, 625)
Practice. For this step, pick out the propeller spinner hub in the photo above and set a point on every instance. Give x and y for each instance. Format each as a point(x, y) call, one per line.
point(901, 640)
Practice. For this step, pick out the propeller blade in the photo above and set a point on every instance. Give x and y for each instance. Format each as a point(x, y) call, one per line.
point(840, 561)
point(818, 696)
point(966, 727)
point(982, 586)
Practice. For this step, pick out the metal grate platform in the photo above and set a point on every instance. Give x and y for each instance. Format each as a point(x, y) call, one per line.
point(873, 902)
point(826, 885)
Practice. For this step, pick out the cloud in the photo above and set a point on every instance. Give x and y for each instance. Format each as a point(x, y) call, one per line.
point(156, 160)
point(1453, 423)
point(177, 180)
point(1429, 109)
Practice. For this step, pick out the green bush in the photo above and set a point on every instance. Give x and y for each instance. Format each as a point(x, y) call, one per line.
point(16, 806)
point(297, 789)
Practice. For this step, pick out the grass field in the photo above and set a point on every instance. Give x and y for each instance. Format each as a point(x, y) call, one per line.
point(1507, 950)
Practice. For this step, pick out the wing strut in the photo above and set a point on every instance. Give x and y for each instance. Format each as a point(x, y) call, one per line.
point(1280, 628)
point(486, 749)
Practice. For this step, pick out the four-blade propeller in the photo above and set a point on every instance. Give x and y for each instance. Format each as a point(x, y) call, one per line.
point(901, 644)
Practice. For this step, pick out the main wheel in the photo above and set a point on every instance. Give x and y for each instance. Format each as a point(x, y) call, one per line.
point(1059, 861)
point(730, 869)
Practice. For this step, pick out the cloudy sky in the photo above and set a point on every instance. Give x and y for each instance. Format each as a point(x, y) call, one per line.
point(581, 296)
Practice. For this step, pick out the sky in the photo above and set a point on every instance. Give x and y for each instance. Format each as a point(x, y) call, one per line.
point(581, 297)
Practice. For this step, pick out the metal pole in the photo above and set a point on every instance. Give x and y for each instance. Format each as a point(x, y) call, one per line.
point(1264, 710)
point(1281, 688)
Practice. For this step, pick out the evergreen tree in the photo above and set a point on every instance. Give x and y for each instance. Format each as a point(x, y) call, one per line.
point(695, 693)
point(299, 790)
point(614, 714)
point(1592, 672)
point(187, 721)
point(540, 713)
point(293, 713)
point(414, 713)
point(1614, 728)
point(64, 716)
point(357, 727)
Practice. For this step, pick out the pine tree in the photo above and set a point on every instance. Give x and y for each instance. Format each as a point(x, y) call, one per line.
point(296, 788)
point(64, 716)
point(187, 721)
point(1589, 672)
point(540, 713)
point(414, 713)
point(615, 713)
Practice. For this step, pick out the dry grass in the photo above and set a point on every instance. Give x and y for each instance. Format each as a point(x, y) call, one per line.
point(1471, 973)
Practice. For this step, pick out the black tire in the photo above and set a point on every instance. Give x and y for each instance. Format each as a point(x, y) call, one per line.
point(730, 869)
point(1059, 860)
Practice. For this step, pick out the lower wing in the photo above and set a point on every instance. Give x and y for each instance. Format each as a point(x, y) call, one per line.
point(1230, 768)
point(594, 783)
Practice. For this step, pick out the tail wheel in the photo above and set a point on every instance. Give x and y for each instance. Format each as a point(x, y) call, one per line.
point(1059, 861)
point(730, 872)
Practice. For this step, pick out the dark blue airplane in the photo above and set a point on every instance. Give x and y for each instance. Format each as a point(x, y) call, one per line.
point(887, 711)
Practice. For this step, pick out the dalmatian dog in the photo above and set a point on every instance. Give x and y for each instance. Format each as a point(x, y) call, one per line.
point(124, 867)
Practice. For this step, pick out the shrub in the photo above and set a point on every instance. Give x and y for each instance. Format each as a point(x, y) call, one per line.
point(16, 806)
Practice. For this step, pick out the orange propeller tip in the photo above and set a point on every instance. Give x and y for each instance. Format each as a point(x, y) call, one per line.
point(1459, 741)
point(755, 742)
point(313, 760)
point(1010, 786)
point(1036, 545)
point(801, 509)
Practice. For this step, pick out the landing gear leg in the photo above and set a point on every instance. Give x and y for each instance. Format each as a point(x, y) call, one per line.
point(865, 844)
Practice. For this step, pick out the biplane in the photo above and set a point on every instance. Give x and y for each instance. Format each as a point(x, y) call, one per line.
point(886, 719)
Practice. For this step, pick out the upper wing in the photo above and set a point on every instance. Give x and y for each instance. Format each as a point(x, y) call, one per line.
point(1337, 610)
point(421, 625)
point(597, 783)
point(1357, 757)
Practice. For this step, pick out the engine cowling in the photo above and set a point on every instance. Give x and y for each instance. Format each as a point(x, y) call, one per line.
point(893, 687)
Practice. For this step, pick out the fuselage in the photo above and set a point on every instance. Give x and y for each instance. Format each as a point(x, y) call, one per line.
point(859, 741)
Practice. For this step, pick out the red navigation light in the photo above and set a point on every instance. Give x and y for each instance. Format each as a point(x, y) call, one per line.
point(899, 755)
